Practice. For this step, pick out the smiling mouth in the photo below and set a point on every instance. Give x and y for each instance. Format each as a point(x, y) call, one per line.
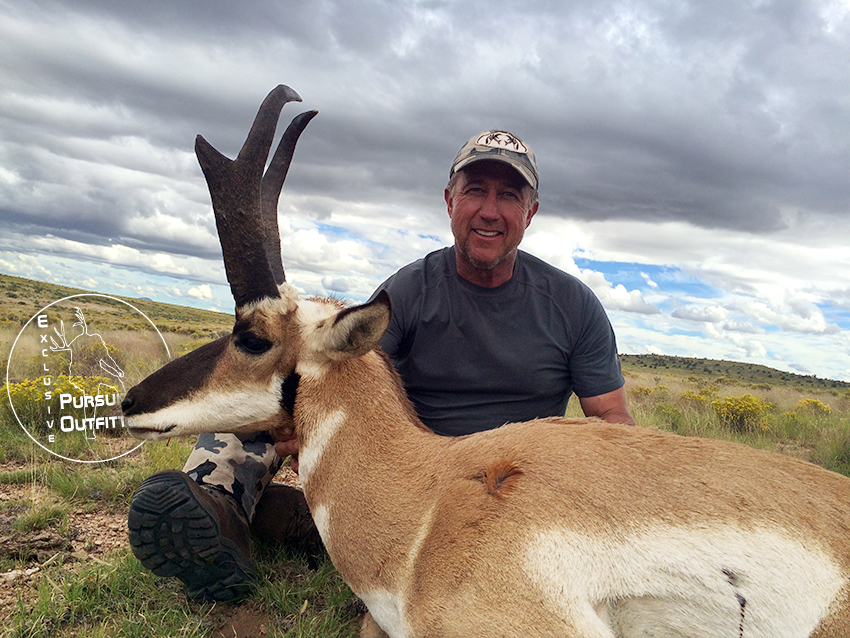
point(487, 233)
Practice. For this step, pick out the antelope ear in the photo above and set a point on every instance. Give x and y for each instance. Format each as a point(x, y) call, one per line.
point(357, 330)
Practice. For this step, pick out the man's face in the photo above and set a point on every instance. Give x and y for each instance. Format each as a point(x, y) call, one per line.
point(490, 209)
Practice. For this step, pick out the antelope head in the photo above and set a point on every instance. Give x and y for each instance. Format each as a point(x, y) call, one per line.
point(245, 381)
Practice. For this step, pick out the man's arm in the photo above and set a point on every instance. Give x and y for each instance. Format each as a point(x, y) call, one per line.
point(610, 407)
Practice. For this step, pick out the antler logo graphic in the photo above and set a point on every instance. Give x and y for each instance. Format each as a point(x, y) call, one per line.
point(66, 377)
point(90, 345)
point(89, 341)
point(502, 139)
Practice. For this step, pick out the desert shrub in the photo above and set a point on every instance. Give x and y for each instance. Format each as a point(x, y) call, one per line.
point(744, 413)
point(670, 415)
point(35, 410)
point(834, 453)
point(813, 406)
point(640, 393)
point(794, 427)
point(692, 397)
point(88, 357)
point(698, 400)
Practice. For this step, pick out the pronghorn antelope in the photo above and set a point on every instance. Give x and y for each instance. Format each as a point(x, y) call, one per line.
point(554, 527)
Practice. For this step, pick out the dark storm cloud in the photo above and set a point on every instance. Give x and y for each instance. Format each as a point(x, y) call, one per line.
point(723, 115)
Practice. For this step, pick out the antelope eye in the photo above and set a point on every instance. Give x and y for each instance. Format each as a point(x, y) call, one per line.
point(252, 344)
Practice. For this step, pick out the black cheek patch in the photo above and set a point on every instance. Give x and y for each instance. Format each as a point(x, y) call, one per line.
point(288, 392)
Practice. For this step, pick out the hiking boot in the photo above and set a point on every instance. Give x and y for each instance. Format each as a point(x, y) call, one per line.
point(282, 516)
point(196, 533)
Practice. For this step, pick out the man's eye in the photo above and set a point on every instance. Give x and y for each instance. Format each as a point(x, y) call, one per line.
point(252, 344)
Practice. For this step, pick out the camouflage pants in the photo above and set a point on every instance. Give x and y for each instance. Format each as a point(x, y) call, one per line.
point(240, 465)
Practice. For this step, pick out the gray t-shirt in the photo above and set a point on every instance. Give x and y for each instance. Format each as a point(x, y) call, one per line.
point(475, 358)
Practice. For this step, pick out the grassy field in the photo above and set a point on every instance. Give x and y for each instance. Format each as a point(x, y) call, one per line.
point(68, 571)
point(66, 567)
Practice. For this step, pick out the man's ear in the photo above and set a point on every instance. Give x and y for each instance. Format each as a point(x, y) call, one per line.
point(531, 213)
point(447, 195)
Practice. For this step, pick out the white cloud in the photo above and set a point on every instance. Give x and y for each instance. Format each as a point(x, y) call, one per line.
point(822, 354)
point(115, 254)
point(200, 292)
point(22, 265)
point(9, 176)
point(710, 314)
point(617, 297)
point(790, 315)
point(749, 349)
point(649, 280)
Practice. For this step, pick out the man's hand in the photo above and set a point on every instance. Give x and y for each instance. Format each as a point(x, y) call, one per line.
point(287, 445)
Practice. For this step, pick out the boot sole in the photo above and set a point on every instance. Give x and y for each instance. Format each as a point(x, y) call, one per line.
point(172, 533)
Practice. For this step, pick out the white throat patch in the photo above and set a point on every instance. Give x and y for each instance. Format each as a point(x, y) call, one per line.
point(315, 442)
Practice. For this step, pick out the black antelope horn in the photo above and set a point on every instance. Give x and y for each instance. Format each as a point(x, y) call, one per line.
point(236, 191)
point(272, 185)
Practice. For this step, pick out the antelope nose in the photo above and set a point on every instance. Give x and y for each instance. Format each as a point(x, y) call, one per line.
point(128, 403)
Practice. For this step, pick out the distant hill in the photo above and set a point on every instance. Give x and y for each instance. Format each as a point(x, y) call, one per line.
point(21, 298)
point(748, 373)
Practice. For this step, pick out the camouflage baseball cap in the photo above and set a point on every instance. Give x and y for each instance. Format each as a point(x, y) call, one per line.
point(500, 146)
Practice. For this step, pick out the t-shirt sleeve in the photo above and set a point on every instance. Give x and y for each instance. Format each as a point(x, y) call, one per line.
point(594, 363)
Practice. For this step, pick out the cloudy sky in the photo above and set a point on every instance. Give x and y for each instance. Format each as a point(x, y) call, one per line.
point(694, 156)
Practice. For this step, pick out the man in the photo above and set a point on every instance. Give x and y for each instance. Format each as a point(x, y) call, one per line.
point(481, 333)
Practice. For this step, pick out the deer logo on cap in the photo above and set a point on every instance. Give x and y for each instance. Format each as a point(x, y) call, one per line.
point(502, 139)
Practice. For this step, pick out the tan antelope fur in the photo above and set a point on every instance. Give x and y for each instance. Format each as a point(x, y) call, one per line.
point(555, 527)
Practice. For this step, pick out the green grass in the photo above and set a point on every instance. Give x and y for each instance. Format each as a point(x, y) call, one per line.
point(780, 419)
point(114, 596)
point(306, 602)
point(43, 516)
point(118, 597)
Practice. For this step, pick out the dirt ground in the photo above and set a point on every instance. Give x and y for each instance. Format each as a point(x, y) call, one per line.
point(92, 537)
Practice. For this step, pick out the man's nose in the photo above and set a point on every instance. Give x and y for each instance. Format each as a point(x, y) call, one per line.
point(489, 207)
